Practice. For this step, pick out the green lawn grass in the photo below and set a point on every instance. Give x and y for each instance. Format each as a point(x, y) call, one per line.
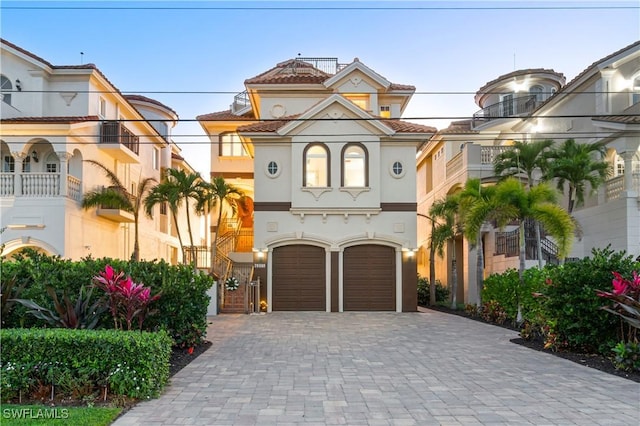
point(27, 415)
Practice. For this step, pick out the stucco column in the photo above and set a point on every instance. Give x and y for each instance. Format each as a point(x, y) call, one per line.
point(398, 279)
point(341, 280)
point(270, 280)
point(327, 271)
point(64, 157)
point(18, 157)
point(627, 156)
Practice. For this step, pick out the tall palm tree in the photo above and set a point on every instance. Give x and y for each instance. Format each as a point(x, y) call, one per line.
point(578, 165)
point(513, 201)
point(445, 228)
point(216, 194)
point(117, 197)
point(477, 206)
point(525, 159)
point(165, 193)
point(188, 186)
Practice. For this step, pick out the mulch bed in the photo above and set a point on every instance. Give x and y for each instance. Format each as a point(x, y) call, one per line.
point(599, 362)
point(180, 358)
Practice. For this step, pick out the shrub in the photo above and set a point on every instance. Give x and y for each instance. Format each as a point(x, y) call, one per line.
point(182, 309)
point(132, 364)
point(627, 356)
point(424, 295)
point(570, 306)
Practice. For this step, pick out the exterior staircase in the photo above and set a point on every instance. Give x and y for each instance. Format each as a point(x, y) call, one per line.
point(508, 244)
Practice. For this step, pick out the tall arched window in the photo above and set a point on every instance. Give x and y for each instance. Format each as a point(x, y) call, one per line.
point(6, 87)
point(355, 167)
point(538, 92)
point(316, 166)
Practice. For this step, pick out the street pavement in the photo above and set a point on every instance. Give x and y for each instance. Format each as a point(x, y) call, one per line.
point(379, 368)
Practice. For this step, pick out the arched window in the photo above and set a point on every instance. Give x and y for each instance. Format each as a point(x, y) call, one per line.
point(538, 92)
point(52, 163)
point(355, 168)
point(316, 166)
point(231, 145)
point(6, 87)
point(635, 97)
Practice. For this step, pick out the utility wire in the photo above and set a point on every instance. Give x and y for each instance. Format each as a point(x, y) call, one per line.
point(315, 8)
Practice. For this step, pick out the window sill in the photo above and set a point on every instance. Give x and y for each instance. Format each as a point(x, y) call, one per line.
point(355, 192)
point(316, 191)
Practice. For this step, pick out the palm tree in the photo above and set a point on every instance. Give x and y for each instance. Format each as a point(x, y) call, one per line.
point(575, 165)
point(165, 193)
point(512, 201)
point(477, 206)
point(117, 197)
point(525, 158)
point(179, 186)
point(446, 227)
point(217, 193)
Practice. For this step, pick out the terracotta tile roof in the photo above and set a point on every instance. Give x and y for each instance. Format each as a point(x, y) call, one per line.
point(458, 127)
point(290, 72)
point(295, 71)
point(408, 127)
point(63, 120)
point(397, 125)
point(624, 119)
point(149, 100)
point(516, 74)
point(395, 86)
point(226, 115)
point(267, 126)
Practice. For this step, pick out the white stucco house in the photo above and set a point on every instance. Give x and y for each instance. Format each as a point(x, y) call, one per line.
point(53, 118)
point(600, 105)
point(332, 170)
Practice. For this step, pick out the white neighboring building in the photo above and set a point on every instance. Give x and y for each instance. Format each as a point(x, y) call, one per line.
point(55, 117)
point(600, 105)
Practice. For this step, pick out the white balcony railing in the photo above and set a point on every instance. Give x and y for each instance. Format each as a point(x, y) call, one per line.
point(39, 185)
point(615, 186)
point(6, 184)
point(489, 153)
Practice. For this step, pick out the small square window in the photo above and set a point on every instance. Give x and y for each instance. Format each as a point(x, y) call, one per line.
point(385, 111)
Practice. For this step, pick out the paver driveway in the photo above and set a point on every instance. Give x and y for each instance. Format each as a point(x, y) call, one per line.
point(381, 369)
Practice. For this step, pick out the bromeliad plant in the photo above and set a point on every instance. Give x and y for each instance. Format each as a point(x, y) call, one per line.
point(127, 301)
point(626, 298)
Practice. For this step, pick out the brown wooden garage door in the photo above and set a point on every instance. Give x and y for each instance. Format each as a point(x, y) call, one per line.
point(369, 278)
point(299, 278)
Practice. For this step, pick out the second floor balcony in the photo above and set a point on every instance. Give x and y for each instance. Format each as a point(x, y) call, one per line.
point(509, 107)
point(39, 185)
point(119, 141)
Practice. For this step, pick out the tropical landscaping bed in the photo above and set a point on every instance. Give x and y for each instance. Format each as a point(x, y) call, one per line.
point(597, 361)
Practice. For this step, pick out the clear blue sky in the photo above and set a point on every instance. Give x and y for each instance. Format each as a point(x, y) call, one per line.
point(150, 47)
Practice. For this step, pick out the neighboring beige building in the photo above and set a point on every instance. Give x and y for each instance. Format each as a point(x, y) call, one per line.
point(330, 166)
point(53, 118)
point(600, 105)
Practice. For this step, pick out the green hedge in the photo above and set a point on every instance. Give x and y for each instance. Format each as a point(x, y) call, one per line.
point(566, 311)
point(181, 310)
point(129, 363)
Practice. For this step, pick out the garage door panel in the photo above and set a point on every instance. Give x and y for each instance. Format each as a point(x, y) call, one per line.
point(299, 278)
point(369, 278)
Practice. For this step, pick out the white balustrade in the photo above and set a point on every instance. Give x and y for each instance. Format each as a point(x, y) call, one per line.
point(615, 187)
point(6, 184)
point(73, 188)
point(40, 184)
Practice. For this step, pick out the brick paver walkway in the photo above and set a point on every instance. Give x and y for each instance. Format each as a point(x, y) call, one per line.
point(381, 369)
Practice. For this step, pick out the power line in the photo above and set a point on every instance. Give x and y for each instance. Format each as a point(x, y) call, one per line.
point(225, 92)
point(324, 7)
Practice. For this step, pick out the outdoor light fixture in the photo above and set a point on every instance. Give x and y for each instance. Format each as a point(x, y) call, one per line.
point(18, 85)
point(34, 155)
